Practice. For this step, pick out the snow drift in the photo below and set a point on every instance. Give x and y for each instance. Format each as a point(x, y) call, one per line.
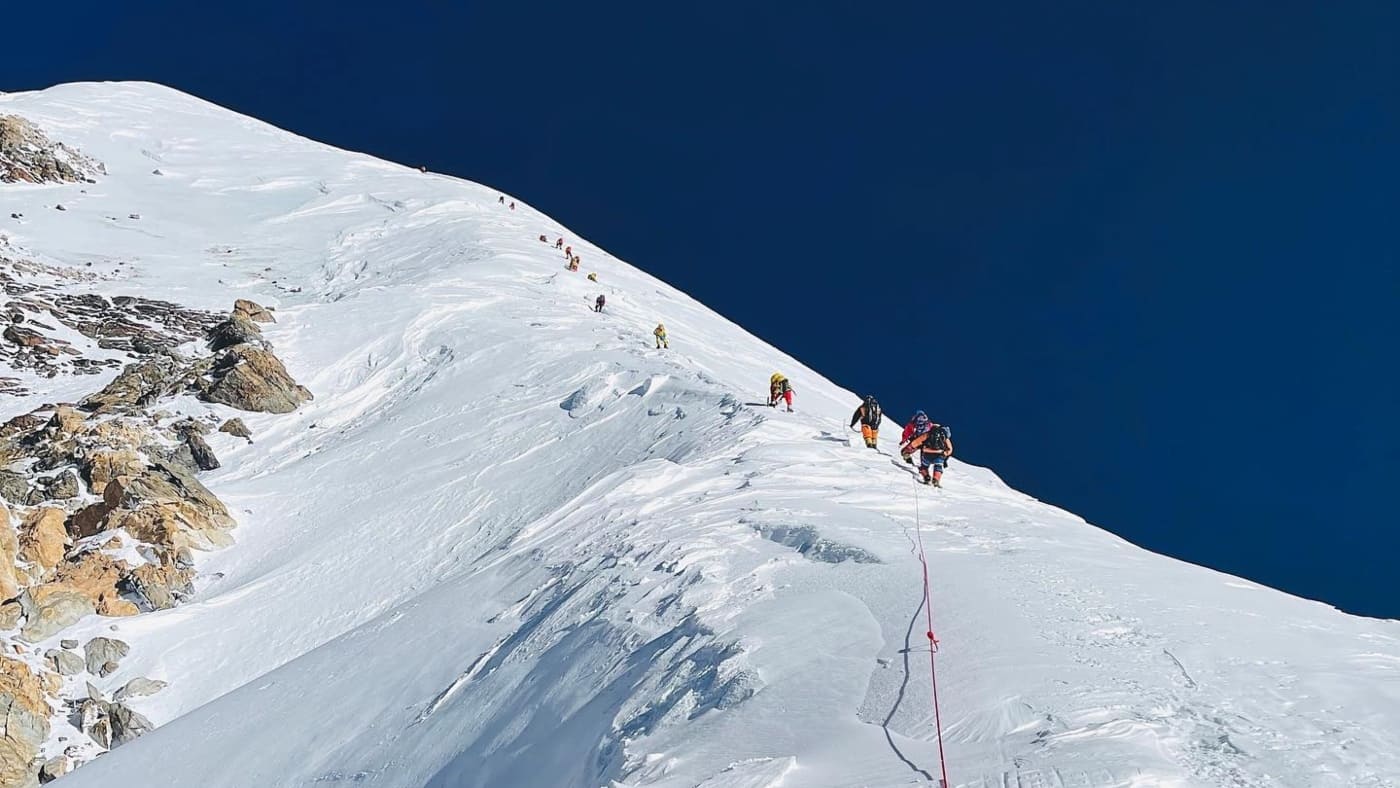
point(509, 543)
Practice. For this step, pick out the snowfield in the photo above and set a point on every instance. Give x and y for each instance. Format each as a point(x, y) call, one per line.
point(511, 544)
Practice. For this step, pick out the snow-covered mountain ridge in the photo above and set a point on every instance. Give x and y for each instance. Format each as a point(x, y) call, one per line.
point(510, 543)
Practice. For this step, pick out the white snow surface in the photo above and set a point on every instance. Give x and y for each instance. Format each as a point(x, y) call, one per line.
point(511, 544)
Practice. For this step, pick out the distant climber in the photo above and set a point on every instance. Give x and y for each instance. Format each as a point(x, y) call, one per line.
point(544, 239)
point(569, 251)
point(423, 168)
point(660, 334)
point(779, 390)
point(592, 276)
point(573, 264)
point(600, 303)
point(501, 199)
point(559, 244)
point(868, 416)
point(512, 205)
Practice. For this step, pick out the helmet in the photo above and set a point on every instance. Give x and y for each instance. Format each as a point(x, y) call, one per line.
point(777, 376)
point(920, 416)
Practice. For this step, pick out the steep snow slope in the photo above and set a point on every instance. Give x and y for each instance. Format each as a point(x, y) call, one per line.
point(511, 544)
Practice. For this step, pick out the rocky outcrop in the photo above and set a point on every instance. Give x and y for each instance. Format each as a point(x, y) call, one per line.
point(101, 467)
point(139, 688)
point(50, 608)
point(64, 662)
point(252, 311)
point(109, 724)
point(201, 456)
point(28, 156)
point(252, 378)
point(9, 551)
point(43, 539)
point(127, 724)
point(14, 487)
point(95, 575)
point(107, 508)
point(237, 330)
point(139, 385)
point(160, 586)
point(100, 651)
point(237, 428)
point(54, 768)
point(24, 723)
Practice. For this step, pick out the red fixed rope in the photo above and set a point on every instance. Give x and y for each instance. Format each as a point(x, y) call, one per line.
point(932, 640)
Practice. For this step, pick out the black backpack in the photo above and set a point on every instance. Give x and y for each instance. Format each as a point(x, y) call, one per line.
point(872, 412)
point(938, 438)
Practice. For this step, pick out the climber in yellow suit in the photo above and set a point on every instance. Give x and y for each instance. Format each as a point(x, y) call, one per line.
point(779, 390)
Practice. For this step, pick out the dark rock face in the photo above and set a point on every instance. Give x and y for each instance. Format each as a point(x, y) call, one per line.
point(203, 456)
point(237, 330)
point(138, 327)
point(138, 385)
point(27, 156)
point(14, 487)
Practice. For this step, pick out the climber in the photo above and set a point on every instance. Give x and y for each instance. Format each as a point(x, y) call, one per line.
point(512, 205)
point(573, 264)
point(559, 244)
point(501, 199)
point(544, 239)
point(592, 275)
point(914, 430)
point(660, 334)
point(569, 252)
point(934, 452)
point(868, 415)
point(779, 389)
point(600, 303)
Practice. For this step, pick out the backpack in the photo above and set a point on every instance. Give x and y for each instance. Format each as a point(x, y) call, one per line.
point(872, 412)
point(938, 438)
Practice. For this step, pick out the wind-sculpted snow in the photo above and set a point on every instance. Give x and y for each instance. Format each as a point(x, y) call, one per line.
point(511, 544)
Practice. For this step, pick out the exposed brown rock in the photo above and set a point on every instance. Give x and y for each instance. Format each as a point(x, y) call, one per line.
point(161, 586)
point(101, 467)
point(237, 428)
point(21, 683)
point(24, 723)
point(116, 607)
point(43, 539)
point(9, 551)
point(252, 311)
point(94, 575)
point(54, 768)
point(251, 378)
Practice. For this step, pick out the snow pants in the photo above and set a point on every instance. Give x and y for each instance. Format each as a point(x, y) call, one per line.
point(871, 434)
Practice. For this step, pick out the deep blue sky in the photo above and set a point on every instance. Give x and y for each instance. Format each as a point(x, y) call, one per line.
point(1142, 258)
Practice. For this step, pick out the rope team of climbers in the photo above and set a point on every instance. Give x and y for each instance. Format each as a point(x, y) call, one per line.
point(924, 444)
